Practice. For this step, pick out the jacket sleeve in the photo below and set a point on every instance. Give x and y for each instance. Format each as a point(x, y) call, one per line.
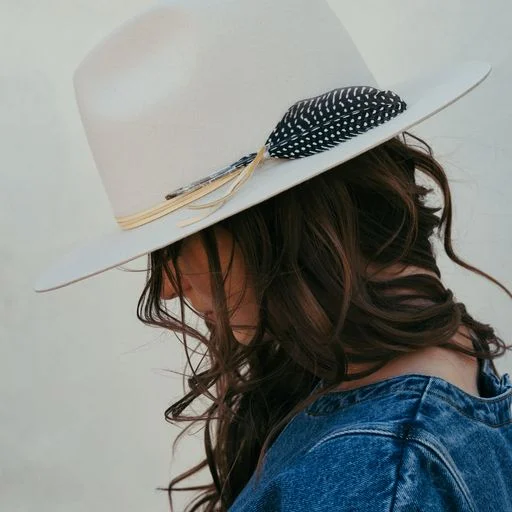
point(369, 472)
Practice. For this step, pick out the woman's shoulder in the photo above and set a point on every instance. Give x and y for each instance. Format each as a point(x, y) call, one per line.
point(376, 469)
point(419, 408)
point(365, 469)
point(411, 437)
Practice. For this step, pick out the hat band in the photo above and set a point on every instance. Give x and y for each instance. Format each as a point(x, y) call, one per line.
point(190, 193)
point(309, 126)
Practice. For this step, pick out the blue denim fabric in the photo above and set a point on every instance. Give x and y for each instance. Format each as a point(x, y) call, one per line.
point(409, 443)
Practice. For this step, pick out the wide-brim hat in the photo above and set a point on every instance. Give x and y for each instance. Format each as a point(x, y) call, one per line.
point(228, 103)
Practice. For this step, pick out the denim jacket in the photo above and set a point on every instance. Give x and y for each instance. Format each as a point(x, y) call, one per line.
point(408, 443)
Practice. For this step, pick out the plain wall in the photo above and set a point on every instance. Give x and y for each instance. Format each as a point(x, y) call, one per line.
point(83, 384)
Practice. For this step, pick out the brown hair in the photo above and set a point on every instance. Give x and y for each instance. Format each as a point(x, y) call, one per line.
point(307, 251)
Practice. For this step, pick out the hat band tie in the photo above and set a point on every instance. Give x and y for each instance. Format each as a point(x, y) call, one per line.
point(176, 201)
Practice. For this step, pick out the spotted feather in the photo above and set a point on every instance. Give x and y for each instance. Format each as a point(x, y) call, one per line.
point(317, 124)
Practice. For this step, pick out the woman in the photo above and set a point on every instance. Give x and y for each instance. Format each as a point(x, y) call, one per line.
point(342, 373)
point(335, 281)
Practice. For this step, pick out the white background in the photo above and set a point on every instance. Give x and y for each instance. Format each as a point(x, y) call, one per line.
point(83, 384)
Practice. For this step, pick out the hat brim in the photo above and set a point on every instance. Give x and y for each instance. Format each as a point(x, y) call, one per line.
point(424, 96)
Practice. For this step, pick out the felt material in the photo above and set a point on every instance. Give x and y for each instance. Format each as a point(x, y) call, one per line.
point(189, 87)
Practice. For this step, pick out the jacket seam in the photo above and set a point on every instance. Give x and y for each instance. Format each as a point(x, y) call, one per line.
point(403, 446)
point(474, 418)
point(402, 438)
point(405, 437)
point(407, 392)
point(458, 481)
point(411, 439)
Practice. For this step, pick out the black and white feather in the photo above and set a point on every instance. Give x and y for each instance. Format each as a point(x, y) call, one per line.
point(317, 124)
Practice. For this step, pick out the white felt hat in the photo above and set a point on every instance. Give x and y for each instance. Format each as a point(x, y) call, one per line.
point(190, 89)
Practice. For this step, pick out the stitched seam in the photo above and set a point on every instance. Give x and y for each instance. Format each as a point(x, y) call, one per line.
point(495, 425)
point(407, 431)
point(417, 376)
point(365, 431)
point(384, 433)
point(458, 480)
point(407, 436)
point(345, 407)
point(411, 394)
point(362, 431)
point(483, 400)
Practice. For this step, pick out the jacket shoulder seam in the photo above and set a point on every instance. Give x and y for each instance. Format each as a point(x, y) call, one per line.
point(407, 438)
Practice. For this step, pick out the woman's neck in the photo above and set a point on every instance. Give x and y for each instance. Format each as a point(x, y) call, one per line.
point(457, 368)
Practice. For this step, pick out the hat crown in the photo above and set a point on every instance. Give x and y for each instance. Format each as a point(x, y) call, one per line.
point(190, 86)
